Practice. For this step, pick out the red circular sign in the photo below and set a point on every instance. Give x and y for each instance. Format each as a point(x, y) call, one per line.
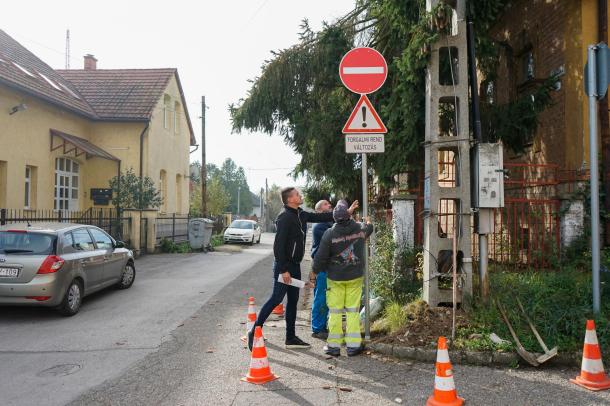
point(363, 70)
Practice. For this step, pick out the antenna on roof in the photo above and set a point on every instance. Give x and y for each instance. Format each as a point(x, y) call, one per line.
point(68, 48)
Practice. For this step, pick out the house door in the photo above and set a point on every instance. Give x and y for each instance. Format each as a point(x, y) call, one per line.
point(66, 184)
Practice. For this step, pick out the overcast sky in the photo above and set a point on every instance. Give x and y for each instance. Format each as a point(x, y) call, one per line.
point(216, 46)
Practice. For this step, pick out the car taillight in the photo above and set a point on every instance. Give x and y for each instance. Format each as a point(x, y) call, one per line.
point(51, 264)
point(38, 298)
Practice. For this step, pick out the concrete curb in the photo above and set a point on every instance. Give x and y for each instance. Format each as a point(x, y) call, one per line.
point(479, 358)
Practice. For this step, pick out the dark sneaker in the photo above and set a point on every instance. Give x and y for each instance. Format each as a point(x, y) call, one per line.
point(352, 352)
point(250, 339)
point(335, 352)
point(320, 335)
point(296, 342)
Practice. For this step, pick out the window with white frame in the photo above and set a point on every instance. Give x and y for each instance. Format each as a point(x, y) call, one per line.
point(66, 184)
point(28, 188)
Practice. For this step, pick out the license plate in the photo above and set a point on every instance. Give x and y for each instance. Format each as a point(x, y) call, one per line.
point(9, 272)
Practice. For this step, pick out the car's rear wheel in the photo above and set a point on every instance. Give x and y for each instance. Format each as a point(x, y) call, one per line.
point(70, 305)
point(128, 276)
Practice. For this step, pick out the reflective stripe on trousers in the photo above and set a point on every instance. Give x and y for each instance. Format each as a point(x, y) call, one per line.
point(343, 297)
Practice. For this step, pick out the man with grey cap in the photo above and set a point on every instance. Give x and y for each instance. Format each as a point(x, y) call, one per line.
point(341, 254)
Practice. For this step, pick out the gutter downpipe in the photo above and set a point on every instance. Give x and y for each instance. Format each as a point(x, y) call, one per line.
point(142, 174)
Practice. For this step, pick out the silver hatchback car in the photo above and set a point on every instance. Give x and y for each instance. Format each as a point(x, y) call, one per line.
point(57, 264)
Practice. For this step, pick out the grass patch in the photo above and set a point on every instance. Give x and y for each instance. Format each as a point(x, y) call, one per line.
point(395, 316)
point(170, 247)
point(558, 303)
point(217, 240)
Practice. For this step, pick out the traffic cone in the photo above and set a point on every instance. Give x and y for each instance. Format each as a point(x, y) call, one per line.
point(251, 318)
point(592, 375)
point(278, 310)
point(444, 387)
point(259, 372)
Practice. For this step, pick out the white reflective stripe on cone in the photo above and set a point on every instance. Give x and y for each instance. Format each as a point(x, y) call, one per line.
point(442, 356)
point(258, 363)
point(592, 366)
point(444, 384)
point(258, 342)
point(249, 325)
point(590, 337)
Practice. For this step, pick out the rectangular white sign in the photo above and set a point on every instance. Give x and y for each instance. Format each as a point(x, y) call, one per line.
point(364, 143)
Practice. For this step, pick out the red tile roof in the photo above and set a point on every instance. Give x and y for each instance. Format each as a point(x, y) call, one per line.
point(13, 55)
point(104, 94)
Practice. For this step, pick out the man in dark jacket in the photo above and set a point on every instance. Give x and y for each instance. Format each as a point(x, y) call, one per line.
point(341, 255)
point(319, 309)
point(288, 250)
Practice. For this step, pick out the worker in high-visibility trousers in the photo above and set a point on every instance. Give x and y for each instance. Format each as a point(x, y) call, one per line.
point(341, 254)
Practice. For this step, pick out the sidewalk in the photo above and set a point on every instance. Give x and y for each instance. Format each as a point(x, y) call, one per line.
point(205, 360)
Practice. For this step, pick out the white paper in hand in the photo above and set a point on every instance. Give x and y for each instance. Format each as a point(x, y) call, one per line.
point(297, 283)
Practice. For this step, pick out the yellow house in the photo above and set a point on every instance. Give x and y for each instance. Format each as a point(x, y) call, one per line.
point(65, 133)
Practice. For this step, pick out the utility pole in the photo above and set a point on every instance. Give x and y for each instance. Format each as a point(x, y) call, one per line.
point(266, 210)
point(238, 198)
point(593, 168)
point(67, 64)
point(204, 174)
point(262, 203)
point(604, 123)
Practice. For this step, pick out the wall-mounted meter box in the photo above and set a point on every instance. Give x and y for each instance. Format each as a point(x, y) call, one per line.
point(490, 166)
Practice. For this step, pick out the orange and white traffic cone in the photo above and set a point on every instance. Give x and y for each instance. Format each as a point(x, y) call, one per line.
point(444, 387)
point(592, 375)
point(251, 318)
point(259, 372)
point(278, 310)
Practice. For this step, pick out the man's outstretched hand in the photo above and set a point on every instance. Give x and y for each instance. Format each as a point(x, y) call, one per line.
point(353, 207)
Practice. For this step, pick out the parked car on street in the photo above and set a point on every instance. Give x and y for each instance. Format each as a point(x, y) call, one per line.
point(243, 231)
point(58, 264)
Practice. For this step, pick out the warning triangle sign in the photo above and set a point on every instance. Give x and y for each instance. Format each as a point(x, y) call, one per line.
point(364, 119)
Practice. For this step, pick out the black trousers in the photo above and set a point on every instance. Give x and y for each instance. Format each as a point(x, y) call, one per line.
point(277, 296)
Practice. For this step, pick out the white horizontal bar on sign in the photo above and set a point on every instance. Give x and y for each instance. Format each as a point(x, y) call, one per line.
point(363, 70)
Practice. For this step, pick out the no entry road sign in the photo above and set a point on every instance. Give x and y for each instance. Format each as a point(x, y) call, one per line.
point(363, 70)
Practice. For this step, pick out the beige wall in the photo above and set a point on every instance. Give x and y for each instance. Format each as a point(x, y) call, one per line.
point(25, 141)
point(169, 151)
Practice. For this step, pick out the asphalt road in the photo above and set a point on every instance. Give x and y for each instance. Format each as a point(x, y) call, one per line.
point(202, 360)
point(46, 358)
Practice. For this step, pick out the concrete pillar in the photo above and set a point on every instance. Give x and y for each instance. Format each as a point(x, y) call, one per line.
point(572, 221)
point(151, 229)
point(458, 141)
point(134, 229)
point(403, 220)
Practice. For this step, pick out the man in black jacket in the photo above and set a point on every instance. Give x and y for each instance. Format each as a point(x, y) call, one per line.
point(288, 250)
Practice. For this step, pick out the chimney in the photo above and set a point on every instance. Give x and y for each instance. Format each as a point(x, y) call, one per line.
point(90, 62)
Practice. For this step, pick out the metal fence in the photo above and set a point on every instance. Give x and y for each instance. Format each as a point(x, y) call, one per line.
point(172, 227)
point(109, 220)
point(527, 229)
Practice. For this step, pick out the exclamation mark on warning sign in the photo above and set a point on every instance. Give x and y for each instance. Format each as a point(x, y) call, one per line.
point(363, 116)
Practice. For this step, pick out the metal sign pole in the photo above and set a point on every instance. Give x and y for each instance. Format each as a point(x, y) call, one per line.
point(593, 167)
point(365, 213)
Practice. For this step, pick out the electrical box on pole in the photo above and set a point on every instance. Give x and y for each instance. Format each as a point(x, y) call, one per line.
point(490, 179)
